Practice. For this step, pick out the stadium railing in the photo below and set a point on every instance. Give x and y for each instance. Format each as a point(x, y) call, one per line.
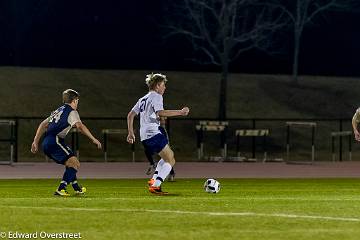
point(183, 139)
point(9, 137)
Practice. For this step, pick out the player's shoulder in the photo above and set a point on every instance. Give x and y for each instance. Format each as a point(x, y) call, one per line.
point(150, 96)
point(144, 97)
point(61, 107)
point(65, 107)
point(57, 110)
point(73, 112)
point(155, 95)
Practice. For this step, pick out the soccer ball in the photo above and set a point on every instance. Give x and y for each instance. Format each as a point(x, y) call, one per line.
point(211, 186)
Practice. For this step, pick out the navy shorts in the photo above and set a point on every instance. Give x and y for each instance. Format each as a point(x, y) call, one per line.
point(163, 131)
point(56, 149)
point(156, 143)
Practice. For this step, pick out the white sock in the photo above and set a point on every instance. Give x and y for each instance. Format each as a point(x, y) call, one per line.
point(163, 173)
point(158, 167)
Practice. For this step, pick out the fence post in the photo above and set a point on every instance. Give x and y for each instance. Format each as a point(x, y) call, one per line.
point(16, 135)
point(350, 150)
point(288, 142)
point(253, 139)
point(105, 145)
point(340, 141)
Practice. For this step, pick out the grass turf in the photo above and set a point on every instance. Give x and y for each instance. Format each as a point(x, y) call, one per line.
point(244, 209)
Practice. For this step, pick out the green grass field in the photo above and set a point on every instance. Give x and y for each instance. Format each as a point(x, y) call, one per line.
point(244, 209)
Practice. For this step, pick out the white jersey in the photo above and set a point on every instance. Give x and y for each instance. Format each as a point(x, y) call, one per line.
point(148, 106)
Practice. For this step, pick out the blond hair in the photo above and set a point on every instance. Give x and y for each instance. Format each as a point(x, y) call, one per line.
point(153, 79)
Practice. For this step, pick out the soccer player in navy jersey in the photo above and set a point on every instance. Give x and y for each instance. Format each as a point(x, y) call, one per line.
point(55, 128)
point(150, 107)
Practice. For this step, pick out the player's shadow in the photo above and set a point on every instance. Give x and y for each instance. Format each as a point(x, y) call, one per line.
point(171, 195)
point(167, 195)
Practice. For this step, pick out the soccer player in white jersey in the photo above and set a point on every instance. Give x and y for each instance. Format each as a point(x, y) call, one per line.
point(355, 121)
point(151, 109)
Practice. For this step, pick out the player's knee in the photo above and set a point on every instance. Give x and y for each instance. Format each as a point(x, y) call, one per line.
point(77, 164)
point(73, 163)
point(172, 161)
point(168, 155)
point(171, 155)
point(171, 158)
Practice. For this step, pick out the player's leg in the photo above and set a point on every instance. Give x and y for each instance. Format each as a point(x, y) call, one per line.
point(154, 145)
point(171, 176)
point(168, 157)
point(156, 172)
point(55, 151)
point(69, 177)
point(149, 156)
point(72, 166)
point(159, 144)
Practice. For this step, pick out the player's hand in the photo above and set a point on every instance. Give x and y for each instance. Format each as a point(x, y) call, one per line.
point(97, 143)
point(357, 136)
point(34, 147)
point(130, 138)
point(185, 111)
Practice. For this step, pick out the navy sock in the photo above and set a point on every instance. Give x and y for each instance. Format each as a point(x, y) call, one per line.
point(75, 185)
point(64, 180)
point(62, 185)
point(68, 177)
point(160, 179)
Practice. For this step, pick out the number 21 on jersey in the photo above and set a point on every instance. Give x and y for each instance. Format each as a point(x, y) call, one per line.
point(142, 104)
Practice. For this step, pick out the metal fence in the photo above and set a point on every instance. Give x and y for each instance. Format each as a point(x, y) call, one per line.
point(184, 140)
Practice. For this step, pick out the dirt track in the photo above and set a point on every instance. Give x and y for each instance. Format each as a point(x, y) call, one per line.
point(188, 170)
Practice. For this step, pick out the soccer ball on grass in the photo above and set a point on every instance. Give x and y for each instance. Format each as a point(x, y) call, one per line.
point(211, 186)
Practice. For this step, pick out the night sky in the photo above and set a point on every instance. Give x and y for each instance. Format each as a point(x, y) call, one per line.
point(127, 35)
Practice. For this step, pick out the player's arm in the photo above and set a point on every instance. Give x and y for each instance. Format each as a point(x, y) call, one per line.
point(355, 121)
point(84, 130)
point(173, 113)
point(158, 107)
point(39, 132)
point(74, 120)
point(130, 124)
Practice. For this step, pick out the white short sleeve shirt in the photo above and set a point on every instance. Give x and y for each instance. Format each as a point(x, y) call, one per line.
point(148, 106)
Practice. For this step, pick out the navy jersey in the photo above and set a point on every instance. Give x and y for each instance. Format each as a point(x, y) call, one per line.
point(61, 121)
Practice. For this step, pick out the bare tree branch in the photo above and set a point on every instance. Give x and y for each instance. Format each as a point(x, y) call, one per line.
point(221, 30)
point(303, 12)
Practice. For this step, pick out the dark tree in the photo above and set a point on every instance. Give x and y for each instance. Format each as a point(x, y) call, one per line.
point(303, 12)
point(221, 30)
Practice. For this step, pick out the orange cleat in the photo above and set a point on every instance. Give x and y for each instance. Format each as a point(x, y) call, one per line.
point(157, 190)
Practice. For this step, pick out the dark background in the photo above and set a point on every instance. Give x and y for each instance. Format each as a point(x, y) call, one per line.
point(128, 35)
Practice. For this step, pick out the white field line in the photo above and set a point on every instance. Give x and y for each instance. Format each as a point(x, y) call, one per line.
point(211, 197)
point(243, 214)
